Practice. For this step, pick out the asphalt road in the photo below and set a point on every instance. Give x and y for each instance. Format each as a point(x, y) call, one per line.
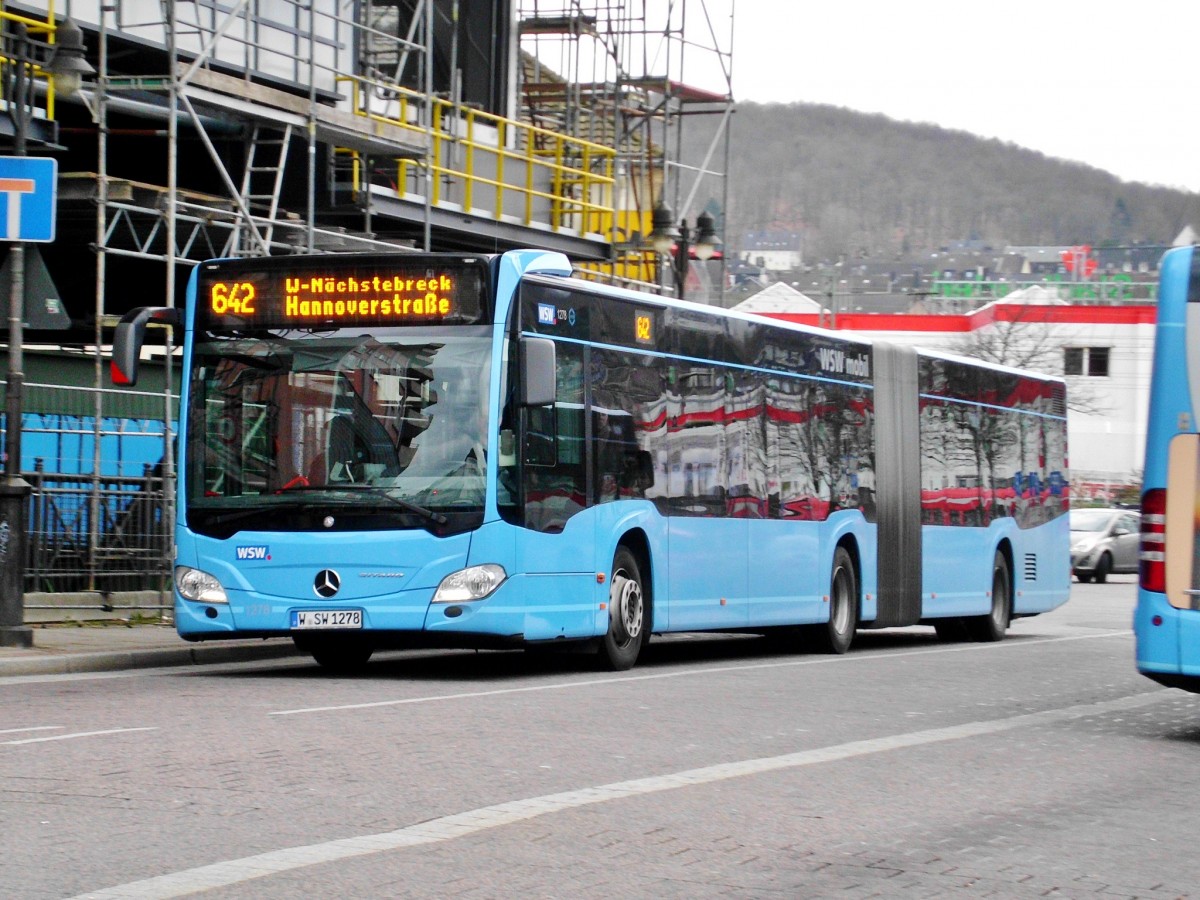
point(1040, 766)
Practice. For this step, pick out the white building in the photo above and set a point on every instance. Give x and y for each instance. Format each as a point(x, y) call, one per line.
point(775, 251)
point(780, 297)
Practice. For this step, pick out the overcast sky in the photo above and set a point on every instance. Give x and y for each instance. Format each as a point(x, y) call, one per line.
point(1114, 86)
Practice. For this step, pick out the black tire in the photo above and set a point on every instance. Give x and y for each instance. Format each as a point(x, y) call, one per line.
point(628, 614)
point(836, 635)
point(1103, 569)
point(341, 657)
point(993, 626)
point(1084, 577)
point(950, 631)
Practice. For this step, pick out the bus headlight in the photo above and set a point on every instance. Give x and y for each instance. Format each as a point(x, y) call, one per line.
point(474, 583)
point(199, 586)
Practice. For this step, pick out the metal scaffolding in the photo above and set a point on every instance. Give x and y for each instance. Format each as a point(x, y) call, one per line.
point(218, 128)
point(285, 126)
point(630, 75)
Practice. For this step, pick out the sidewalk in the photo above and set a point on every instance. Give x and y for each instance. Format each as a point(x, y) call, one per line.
point(115, 646)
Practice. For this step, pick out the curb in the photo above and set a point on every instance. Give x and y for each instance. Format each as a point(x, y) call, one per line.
point(122, 660)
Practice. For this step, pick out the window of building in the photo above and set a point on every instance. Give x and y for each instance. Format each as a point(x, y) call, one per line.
point(1091, 361)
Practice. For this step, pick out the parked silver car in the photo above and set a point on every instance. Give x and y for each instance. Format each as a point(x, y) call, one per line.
point(1104, 541)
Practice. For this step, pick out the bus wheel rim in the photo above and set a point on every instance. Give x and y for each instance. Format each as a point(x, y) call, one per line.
point(625, 598)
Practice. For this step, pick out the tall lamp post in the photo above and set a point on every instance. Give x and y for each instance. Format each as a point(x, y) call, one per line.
point(64, 61)
point(680, 244)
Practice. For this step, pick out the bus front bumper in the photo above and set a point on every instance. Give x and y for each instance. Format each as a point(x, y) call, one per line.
point(523, 608)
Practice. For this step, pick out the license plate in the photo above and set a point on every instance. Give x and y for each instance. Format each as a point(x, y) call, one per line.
point(326, 618)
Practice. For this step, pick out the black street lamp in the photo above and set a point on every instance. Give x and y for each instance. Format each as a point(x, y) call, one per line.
point(64, 62)
point(678, 242)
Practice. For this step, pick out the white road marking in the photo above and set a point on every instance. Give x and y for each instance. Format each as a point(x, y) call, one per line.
point(32, 728)
point(238, 871)
point(73, 735)
point(693, 670)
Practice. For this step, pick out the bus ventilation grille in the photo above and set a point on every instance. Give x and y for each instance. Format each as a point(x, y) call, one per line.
point(1031, 567)
point(1058, 400)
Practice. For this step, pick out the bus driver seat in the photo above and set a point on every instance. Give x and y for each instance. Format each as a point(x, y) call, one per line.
point(342, 453)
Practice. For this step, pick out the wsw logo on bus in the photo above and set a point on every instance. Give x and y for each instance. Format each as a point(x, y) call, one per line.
point(254, 551)
point(839, 363)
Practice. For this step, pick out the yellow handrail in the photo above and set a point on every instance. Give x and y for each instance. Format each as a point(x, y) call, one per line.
point(35, 27)
point(572, 177)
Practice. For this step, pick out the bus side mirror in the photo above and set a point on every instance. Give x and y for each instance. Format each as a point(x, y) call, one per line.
point(537, 372)
point(131, 334)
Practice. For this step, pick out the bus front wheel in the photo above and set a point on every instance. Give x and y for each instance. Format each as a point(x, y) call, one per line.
point(628, 614)
point(339, 656)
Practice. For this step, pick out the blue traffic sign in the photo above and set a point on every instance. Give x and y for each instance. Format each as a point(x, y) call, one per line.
point(28, 191)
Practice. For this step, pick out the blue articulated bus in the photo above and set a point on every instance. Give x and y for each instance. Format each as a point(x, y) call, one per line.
point(382, 451)
point(1166, 622)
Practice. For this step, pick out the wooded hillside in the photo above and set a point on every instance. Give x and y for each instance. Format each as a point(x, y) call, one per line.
point(856, 183)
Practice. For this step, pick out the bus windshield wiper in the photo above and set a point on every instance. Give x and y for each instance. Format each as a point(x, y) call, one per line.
point(425, 513)
point(225, 518)
point(237, 515)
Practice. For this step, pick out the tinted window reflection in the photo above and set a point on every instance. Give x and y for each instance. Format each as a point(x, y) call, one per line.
point(711, 438)
point(989, 446)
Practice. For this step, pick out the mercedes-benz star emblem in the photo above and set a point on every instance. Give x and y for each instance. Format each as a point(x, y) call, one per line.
point(327, 583)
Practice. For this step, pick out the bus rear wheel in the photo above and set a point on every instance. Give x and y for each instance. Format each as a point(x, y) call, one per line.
point(993, 626)
point(836, 635)
point(628, 614)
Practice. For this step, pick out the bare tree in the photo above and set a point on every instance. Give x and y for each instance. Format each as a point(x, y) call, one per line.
point(1026, 341)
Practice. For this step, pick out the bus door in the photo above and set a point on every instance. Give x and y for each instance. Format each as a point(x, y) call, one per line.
point(708, 542)
point(557, 545)
point(1182, 547)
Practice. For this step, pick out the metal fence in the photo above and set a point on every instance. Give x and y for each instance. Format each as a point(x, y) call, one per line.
point(98, 515)
point(107, 534)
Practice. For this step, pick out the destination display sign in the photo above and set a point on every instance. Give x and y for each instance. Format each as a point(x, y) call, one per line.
point(342, 290)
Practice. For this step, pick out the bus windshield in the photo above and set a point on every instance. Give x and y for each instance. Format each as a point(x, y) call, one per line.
point(361, 428)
